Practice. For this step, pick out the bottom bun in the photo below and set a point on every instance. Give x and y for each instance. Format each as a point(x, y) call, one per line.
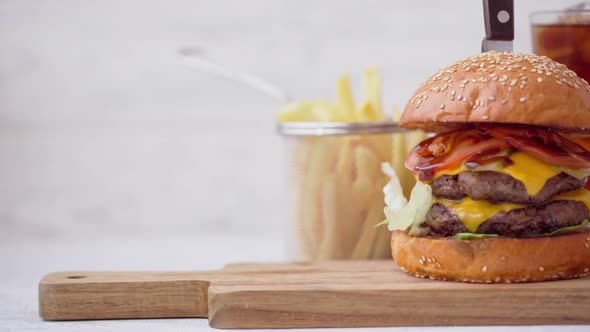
point(493, 260)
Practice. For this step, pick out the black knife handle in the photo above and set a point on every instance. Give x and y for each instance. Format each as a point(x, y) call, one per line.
point(499, 19)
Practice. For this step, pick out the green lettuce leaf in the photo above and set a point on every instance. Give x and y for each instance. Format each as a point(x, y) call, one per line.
point(468, 236)
point(561, 231)
point(569, 229)
point(384, 222)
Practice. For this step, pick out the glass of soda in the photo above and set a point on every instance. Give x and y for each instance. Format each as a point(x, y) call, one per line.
point(564, 36)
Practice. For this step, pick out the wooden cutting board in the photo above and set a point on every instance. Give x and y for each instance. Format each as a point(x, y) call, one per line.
point(328, 294)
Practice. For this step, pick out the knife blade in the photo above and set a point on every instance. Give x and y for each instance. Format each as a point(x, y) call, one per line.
point(499, 25)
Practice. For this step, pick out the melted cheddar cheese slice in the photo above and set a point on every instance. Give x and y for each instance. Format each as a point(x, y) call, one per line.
point(581, 195)
point(532, 172)
point(473, 213)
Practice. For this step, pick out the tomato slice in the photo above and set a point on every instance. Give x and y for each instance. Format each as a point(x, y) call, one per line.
point(544, 144)
point(449, 150)
point(482, 145)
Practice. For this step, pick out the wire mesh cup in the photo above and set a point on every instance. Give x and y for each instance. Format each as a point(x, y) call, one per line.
point(336, 186)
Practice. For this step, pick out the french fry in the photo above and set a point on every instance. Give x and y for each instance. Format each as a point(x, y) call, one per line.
point(366, 113)
point(320, 156)
point(372, 91)
point(328, 247)
point(367, 163)
point(348, 232)
point(364, 246)
point(295, 112)
point(349, 202)
point(345, 163)
point(367, 169)
point(345, 99)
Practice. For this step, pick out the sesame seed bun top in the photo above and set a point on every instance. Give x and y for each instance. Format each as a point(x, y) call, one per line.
point(509, 88)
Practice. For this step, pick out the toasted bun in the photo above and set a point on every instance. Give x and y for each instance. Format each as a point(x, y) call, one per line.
point(509, 88)
point(493, 260)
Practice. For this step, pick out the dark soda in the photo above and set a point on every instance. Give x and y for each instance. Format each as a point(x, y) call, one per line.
point(565, 43)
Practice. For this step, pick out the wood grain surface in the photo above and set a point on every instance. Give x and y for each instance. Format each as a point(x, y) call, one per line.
point(328, 294)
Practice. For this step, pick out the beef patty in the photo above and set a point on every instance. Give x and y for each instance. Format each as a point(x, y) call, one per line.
point(500, 187)
point(527, 221)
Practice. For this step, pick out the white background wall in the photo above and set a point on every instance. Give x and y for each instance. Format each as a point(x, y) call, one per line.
point(104, 130)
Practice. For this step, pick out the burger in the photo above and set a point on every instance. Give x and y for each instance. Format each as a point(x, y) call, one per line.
point(501, 187)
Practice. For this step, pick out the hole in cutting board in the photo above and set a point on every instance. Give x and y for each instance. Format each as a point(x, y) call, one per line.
point(76, 277)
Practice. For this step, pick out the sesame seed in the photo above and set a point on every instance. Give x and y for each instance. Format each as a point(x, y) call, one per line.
point(421, 261)
point(503, 102)
point(462, 85)
point(485, 117)
point(442, 106)
point(539, 79)
point(491, 98)
point(585, 270)
point(586, 244)
point(503, 258)
point(497, 279)
point(453, 92)
point(513, 82)
point(522, 99)
point(504, 78)
point(471, 103)
point(484, 268)
point(541, 269)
